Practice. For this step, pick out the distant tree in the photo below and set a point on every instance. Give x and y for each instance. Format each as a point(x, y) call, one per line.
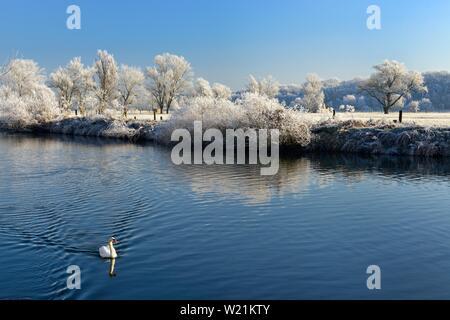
point(414, 106)
point(217, 90)
point(221, 91)
point(426, 105)
point(267, 86)
point(130, 81)
point(391, 83)
point(347, 108)
point(203, 88)
point(314, 98)
point(350, 99)
point(168, 79)
point(106, 76)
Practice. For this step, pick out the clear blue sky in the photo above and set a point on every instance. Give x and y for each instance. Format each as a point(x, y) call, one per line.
point(225, 40)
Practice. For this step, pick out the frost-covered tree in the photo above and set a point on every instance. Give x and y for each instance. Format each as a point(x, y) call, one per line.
point(426, 105)
point(314, 98)
point(350, 99)
point(414, 106)
point(203, 88)
point(107, 77)
point(73, 85)
point(131, 80)
point(217, 90)
point(24, 97)
point(391, 83)
point(267, 86)
point(62, 82)
point(168, 79)
point(4, 70)
point(23, 76)
point(83, 82)
point(221, 91)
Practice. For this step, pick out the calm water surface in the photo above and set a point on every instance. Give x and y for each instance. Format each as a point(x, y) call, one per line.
point(218, 232)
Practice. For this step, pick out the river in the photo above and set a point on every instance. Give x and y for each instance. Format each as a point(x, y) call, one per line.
point(218, 232)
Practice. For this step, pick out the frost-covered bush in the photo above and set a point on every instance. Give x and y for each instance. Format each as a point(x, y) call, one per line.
point(38, 106)
point(24, 97)
point(250, 111)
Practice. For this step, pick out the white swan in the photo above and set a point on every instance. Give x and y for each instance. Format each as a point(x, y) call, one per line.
point(108, 251)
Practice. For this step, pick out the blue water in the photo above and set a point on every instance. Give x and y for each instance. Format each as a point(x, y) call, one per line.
point(218, 232)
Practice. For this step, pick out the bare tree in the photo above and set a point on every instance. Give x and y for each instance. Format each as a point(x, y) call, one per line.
point(392, 83)
point(168, 79)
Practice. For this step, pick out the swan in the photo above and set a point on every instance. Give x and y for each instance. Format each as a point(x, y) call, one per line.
point(108, 251)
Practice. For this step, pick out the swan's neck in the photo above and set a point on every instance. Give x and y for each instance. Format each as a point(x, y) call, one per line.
point(111, 248)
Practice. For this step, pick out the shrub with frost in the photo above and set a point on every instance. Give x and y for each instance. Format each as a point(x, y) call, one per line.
point(36, 107)
point(24, 97)
point(250, 111)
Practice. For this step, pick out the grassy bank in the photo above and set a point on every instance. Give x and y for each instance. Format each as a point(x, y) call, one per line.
point(330, 136)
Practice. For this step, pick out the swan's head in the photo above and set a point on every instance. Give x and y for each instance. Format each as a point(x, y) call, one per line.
point(112, 240)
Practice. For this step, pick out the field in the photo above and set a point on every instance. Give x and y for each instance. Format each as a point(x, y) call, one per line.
point(427, 119)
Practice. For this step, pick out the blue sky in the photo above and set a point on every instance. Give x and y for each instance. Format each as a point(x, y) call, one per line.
point(225, 41)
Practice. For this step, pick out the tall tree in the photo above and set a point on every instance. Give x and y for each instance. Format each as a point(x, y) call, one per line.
point(62, 82)
point(168, 79)
point(107, 76)
point(131, 80)
point(83, 82)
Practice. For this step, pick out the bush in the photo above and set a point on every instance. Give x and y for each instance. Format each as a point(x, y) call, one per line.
point(252, 111)
point(38, 106)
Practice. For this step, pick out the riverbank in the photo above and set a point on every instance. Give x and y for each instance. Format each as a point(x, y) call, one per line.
point(351, 136)
point(369, 137)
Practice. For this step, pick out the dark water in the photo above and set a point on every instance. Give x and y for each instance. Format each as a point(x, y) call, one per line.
point(218, 232)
